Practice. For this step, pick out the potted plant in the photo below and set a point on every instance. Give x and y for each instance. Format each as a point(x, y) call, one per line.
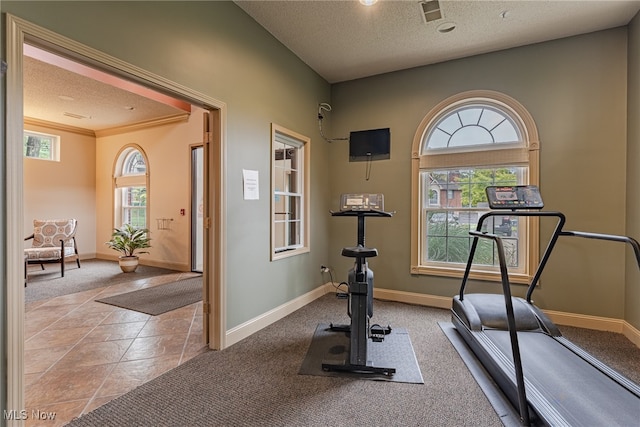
point(129, 240)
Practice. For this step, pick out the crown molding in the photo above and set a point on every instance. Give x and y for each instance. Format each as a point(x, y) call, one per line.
point(58, 126)
point(109, 131)
point(142, 125)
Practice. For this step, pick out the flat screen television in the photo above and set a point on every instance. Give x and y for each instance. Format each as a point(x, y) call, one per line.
point(373, 144)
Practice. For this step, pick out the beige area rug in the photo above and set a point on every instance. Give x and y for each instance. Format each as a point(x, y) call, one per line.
point(159, 299)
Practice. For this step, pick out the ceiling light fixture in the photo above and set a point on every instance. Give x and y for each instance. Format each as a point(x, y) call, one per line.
point(368, 2)
point(446, 27)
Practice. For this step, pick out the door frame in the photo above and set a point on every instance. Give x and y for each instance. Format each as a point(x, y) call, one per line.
point(17, 32)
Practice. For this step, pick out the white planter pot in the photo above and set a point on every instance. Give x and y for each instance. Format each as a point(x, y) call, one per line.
point(128, 264)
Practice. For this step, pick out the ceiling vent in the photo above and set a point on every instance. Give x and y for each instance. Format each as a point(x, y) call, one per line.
point(75, 116)
point(430, 10)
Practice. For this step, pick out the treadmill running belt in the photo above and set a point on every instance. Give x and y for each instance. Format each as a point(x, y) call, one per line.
point(579, 391)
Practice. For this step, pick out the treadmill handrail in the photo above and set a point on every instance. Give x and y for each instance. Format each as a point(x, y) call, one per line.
point(511, 322)
point(545, 256)
point(588, 235)
point(610, 237)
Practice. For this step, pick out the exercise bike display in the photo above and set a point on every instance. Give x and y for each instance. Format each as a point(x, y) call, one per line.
point(360, 289)
point(546, 379)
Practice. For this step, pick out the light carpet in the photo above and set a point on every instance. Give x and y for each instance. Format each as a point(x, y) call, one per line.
point(256, 382)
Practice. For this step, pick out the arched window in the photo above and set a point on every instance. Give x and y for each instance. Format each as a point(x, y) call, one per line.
point(131, 188)
point(466, 143)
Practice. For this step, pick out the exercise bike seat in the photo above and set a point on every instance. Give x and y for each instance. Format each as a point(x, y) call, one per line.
point(359, 252)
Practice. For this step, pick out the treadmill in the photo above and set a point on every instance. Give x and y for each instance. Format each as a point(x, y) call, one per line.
point(547, 379)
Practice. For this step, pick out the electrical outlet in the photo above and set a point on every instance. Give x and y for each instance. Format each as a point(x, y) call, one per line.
point(324, 269)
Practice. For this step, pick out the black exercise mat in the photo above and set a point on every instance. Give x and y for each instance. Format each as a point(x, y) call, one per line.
point(395, 351)
point(159, 299)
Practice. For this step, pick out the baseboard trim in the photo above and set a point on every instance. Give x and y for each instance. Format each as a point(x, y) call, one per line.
point(166, 265)
point(585, 321)
point(560, 318)
point(596, 323)
point(632, 334)
point(151, 263)
point(412, 298)
point(252, 326)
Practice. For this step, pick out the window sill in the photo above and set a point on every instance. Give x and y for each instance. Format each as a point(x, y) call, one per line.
point(477, 274)
point(286, 254)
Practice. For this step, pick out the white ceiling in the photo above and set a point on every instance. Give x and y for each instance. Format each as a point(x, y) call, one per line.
point(344, 40)
point(340, 40)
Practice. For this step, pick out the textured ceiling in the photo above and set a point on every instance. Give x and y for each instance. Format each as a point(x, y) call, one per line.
point(344, 40)
point(54, 94)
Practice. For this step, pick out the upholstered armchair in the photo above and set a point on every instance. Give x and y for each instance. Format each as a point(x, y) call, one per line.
point(54, 241)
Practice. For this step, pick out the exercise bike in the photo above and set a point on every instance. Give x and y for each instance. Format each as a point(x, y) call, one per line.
point(360, 289)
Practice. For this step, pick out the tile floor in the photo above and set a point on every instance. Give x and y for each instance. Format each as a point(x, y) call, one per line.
point(80, 354)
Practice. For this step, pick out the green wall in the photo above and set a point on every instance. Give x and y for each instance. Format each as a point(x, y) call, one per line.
point(216, 49)
point(575, 89)
point(632, 294)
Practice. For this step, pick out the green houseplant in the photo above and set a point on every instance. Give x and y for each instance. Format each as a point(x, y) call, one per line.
point(129, 241)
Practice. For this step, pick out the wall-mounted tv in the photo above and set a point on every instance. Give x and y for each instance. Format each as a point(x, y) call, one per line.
point(373, 144)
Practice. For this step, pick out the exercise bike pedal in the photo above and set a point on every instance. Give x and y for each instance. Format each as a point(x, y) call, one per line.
point(378, 332)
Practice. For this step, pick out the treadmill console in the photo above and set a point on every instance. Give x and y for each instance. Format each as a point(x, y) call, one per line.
point(362, 202)
point(514, 197)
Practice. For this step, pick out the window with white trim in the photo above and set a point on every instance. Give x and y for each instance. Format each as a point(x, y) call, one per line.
point(290, 192)
point(41, 146)
point(131, 188)
point(468, 142)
